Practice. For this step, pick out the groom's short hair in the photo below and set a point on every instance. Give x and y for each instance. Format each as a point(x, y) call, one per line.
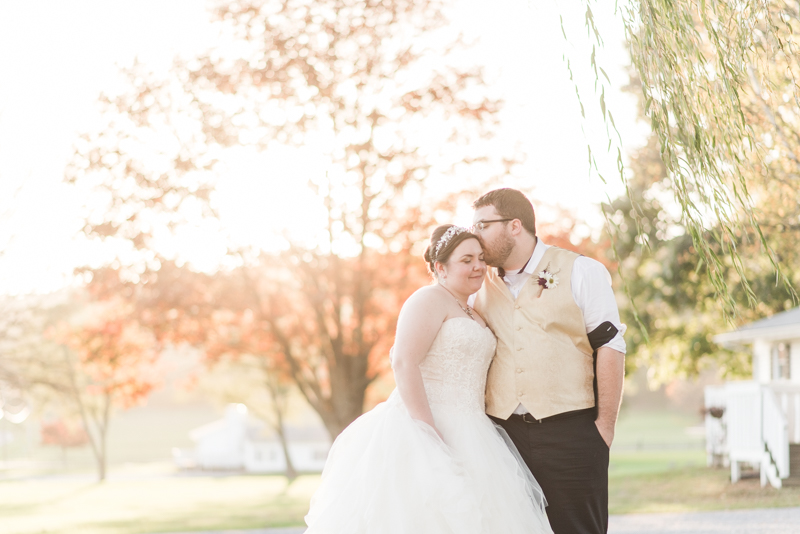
point(510, 204)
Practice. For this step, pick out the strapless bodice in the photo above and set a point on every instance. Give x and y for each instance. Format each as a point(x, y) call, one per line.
point(454, 370)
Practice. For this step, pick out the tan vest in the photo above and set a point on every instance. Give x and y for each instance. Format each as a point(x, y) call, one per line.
point(543, 358)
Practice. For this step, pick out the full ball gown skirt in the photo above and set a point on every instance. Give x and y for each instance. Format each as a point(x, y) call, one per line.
point(390, 474)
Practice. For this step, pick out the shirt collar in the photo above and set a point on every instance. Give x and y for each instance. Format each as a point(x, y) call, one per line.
point(536, 257)
point(533, 261)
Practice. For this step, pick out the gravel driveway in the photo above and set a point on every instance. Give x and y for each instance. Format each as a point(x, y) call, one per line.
point(761, 521)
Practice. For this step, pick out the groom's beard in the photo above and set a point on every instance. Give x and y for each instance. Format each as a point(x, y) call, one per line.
point(495, 254)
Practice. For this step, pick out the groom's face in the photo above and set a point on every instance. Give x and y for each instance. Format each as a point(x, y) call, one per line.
point(495, 238)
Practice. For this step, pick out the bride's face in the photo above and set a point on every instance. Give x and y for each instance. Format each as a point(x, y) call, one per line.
point(466, 267)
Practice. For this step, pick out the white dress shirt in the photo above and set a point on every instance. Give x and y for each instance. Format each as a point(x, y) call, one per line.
point(591, 289)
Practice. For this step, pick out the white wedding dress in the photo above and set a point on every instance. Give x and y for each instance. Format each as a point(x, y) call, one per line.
point(390, 474)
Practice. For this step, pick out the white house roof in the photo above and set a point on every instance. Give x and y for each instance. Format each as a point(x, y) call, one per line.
point(223, 426)
point(206, 430)
point(781, 326)
point(294, 433)
point(237, 419)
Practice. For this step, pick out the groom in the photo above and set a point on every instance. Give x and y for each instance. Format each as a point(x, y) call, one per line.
point(555, 383)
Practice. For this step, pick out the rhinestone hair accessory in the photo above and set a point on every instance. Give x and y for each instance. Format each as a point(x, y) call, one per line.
point(448, 235)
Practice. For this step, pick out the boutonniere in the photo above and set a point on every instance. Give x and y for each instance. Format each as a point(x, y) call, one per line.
point(547, 280)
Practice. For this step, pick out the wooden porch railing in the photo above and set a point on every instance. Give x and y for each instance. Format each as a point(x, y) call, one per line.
point(788, 396)
point(775, 431)
point(749, 422)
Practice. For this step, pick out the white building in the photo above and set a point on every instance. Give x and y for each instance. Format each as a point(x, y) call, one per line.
point(757, 422)
point(239, 442)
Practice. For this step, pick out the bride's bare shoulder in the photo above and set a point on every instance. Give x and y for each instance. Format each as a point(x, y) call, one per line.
point(428, 298)
point(427, 293)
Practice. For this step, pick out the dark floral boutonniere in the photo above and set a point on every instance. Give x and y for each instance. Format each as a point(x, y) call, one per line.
point(547, 280)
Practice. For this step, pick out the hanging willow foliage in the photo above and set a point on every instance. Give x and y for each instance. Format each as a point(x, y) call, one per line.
point(703, 65)
point(719, 85)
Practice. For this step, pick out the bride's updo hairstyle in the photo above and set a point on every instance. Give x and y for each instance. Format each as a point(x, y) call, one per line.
point(444, 241)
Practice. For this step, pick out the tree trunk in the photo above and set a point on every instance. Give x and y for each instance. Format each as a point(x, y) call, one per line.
point(102, 457)
point(275, 393)
point(101, 467)
point(291, 472)
point(346, 404)
point(96, 439)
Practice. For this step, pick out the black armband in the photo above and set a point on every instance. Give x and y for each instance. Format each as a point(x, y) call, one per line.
point(597, 338)
point(602, 335)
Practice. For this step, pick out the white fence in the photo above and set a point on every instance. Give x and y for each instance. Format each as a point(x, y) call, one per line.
point(788, 397)
point(748, 422)
point(775, 430)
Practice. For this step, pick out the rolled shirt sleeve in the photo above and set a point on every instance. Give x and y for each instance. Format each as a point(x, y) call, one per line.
point(592, 291)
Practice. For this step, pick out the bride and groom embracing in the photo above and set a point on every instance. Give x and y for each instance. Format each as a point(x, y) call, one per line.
point(508, 388)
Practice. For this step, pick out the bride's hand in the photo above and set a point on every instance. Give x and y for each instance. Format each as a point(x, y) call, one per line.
point(430, 427)
point(433, 427)
point(439, 434)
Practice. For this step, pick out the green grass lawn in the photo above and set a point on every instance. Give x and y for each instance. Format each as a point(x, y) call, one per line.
point(692, 489)
point(657, 429)
point(136, 502)
point(656, 466)
point(128, 506)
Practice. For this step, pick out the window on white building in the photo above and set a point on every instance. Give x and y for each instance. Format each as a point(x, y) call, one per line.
point(781, 361)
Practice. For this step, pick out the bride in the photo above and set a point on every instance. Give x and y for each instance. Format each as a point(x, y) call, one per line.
point(428, 460)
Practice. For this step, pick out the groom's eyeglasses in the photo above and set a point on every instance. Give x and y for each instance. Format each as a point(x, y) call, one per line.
point(480, 226)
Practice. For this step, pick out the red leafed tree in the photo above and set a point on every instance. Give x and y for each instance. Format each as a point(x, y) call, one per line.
point(108, 362)
point(370, 81)
point(326, 322)
point(60, 434)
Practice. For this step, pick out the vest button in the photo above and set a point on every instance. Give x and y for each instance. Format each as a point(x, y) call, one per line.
point(519, 370)
point(519, 349)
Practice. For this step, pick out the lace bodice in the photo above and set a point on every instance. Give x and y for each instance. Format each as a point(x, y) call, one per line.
point(454, 370)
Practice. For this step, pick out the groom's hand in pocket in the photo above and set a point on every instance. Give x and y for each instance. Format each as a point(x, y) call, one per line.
point(606, 432)
point(610, 372)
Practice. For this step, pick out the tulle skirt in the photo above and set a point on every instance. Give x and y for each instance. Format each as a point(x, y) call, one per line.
point(390, 474)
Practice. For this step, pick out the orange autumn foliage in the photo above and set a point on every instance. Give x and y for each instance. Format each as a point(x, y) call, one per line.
point(62, 435)
point(115, 356)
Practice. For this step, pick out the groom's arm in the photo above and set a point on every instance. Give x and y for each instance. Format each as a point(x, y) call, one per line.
point(591, 286)
point(610, 375)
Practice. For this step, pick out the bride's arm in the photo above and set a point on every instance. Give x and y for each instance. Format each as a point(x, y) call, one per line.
point(419, 322)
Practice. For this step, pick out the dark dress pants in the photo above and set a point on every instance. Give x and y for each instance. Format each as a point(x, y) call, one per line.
point(568, 457)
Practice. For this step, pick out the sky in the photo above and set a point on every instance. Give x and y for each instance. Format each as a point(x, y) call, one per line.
point(57, 56)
